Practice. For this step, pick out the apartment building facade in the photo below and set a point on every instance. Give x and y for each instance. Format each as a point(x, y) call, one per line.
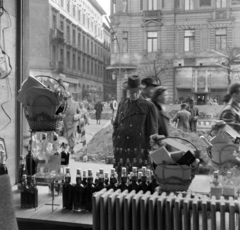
point(188, 32)
point(67, 37)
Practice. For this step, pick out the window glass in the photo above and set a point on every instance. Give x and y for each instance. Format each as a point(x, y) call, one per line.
point(125, 41)
point(204, 3)
point(221, 3)
point(152, 41)
point(235, 2)
point(189, 38)
point(189, 4)
point(221, 38)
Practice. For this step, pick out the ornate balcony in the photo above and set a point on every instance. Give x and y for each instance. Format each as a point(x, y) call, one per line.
point(57, 35)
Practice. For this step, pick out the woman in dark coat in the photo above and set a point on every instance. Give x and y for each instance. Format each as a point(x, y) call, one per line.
point(99, 108)
point(159, 99)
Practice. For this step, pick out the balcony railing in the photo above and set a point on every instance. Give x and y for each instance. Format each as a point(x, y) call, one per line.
point(152, 14)
point(57, 35)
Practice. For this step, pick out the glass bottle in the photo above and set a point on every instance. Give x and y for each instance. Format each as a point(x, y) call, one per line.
point(78, 193)
point(143, 185)
point(30, 162)
point(123, 185)
point(216, 187)
point(24, 192)
point(100, 184)
point(67, 191)
point(112, 184)
point(228, 186)
point(106, 179)
point(139, 177)
point(84, 181)
point(140, 163)
point(128, 166)
point(33, 194)
point(148, 176)
point(96, 179)
point(134, 163)
point(153, 183)
point(21, 171)
point(119, 169)
point(89, 189)
point(114, 163)
point(134, 185)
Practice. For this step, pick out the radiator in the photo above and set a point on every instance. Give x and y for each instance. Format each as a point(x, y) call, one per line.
point(130, 211)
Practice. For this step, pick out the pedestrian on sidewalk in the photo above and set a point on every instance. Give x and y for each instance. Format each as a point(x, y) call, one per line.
point(159, 99)
point(182, 119)
point(135, 122)
point(70, 121)
point(99, 108)
point(194, 116)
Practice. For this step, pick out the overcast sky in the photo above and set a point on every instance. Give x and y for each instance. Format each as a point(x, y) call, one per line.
point(105, 5)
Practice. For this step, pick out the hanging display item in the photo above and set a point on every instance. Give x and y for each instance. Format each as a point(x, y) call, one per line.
point(3, 157)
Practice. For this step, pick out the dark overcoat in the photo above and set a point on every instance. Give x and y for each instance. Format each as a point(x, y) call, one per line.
point(193, 118)
point(99, 108)
point(134, 123)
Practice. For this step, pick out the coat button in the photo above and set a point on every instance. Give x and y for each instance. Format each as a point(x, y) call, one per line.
point(127, 137)
point(118, 136)
point(130, 125)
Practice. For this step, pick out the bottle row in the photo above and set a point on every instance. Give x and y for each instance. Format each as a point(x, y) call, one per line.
point(123, 153)
point(79, 196)
point(29, 193)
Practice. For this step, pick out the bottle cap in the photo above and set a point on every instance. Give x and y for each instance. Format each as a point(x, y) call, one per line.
point(68, 170)
point(101, 171)
point(106, 175)
point(84, 173)
point(90, 173)
point(229, 173)
point(134, 169)
point(79, 172)
point(24, 176)
point(139, 175)
point(131, 174)
point(148, 172)
point(97, 174)
point(124, 171)
point(215, 173)
point(144, 171)
point(112, 171)
point(121, 160)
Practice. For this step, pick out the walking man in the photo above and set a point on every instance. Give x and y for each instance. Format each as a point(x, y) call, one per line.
point(194, 116)
point(151, 83)
point(182, 118)
point(99, 108)
point(135, 122)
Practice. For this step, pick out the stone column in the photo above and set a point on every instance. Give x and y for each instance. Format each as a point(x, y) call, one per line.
point(196, 76)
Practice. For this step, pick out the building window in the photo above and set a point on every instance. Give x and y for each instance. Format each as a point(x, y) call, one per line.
point(84, 19)
point(79, 15)
point(87, 46)
point(74, 37)
point(152, 4)
point(152, 41)
point(61, 56)
point(95, 69)
point(84, 65)
point(79, 63)
point(68, 34)
point(221, 38)
point(141, 4)
point(54, 22)
point(88, 26)
point(74, 62)
point(92, 48)
point(74, 11)
point(189, 4)
point(68, 59)
point(91, 68)
point(62, 26)
point(87, 66)
point(54, 53)
point(68, 6)
point(221, 3)
point(125, 6)
point(204, 3)
point(189, 38)
point(79, 40)
point(114, 6)
point(115, 44)
point(125, 42)
point(62, 3)
point(83, 42)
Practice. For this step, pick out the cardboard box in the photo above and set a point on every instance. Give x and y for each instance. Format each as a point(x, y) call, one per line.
point(161, 156)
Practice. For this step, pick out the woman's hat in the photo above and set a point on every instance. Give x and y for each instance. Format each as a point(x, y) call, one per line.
point(151, 81)
point(133, 82)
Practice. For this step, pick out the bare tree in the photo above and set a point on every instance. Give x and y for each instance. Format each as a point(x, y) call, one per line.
point(229, 58)
point(155, 65)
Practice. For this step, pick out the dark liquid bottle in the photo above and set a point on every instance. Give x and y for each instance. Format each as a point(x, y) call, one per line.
point(134, 185)
point(100, 184)
point(139, 177)
point(89, 189)
point(3, 167)
point(78, 193)
point(134, 163)
point(24, 193)
point(123, 185)
point(119, 168)
point(113, 181)
point(84, 181)
point(128, 166)
point(96, 181)
point(33, 196)
point(67, 191)
point(30, 163)
point(140, 163)
point(21, 171)
point(106, 179)
point(143, 185)
point(153, 184)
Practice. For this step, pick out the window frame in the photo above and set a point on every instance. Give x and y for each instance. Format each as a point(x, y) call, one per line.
point(152, 39)
point(125, 41)
point(189, 40)
point(190, 4)
point(153, 5)
point(220, 36)
point(205, 6)
point(221, 4)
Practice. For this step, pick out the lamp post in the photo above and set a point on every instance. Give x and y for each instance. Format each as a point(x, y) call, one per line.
point(120, 64)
